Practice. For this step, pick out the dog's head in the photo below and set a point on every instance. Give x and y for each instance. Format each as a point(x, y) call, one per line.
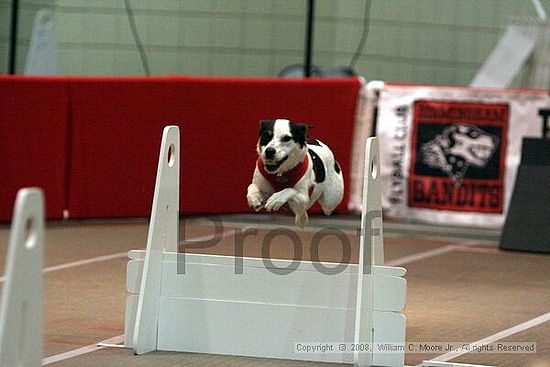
point(281, 144)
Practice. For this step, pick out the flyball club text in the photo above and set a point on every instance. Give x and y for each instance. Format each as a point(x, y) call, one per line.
point(476, 189)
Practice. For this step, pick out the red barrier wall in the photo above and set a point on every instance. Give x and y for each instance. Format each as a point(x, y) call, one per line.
point(33, 141)
point(92, 143)
point(117, 127)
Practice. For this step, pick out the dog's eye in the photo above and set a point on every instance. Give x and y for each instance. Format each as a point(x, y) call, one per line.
point(286, 138)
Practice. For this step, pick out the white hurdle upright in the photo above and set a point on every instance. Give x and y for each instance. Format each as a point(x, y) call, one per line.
point(21, 310)
point(212, 308)
point(162, 237)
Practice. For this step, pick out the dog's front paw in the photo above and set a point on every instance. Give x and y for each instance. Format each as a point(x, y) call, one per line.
point(276, 201)
point(255, 201)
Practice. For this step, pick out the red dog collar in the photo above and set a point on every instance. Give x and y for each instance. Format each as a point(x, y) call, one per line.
point(286, 179)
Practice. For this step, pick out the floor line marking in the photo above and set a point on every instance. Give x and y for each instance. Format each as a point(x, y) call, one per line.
point(77, 263)
point(78, 352)
point(496, 337)
point(420, 256)
point(102, 258)
point(432, 363)
point(429, 253)
point(114, 341)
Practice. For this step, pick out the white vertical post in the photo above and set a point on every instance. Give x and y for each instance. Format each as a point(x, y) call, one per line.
point(371, 251)
point(162, 237)
point(42, 57)
point(21, 310)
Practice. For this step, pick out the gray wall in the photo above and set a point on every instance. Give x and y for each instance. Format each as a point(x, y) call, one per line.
point(417, 41)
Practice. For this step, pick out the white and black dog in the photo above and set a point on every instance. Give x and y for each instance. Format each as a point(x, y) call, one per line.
point(292, 169)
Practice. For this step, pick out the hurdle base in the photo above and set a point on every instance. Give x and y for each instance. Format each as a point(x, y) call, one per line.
point(210, 309)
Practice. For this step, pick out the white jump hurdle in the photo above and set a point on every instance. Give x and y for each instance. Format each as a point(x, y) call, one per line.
point(21, 309)
point(210, 309)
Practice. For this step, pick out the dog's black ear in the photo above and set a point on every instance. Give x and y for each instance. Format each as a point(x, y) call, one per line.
point(266, 125)
point(299, 132)
point(266, 131)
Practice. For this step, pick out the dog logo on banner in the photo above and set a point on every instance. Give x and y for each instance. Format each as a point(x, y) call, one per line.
point(457, 148)
point(457, 156)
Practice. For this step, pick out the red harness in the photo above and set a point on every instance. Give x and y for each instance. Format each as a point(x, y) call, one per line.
point(287, 179)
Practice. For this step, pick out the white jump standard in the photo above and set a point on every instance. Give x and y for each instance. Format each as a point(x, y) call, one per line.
point(258, 313)
point(22, 300)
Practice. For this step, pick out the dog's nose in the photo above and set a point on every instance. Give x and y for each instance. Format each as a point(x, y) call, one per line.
point(270, 153)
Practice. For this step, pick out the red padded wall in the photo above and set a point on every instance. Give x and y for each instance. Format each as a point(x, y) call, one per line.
point(33, 141)
point(117, 125)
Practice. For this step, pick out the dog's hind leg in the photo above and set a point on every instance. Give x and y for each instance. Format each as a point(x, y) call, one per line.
point(315, 195)
point(332, 195)
point(327, 209)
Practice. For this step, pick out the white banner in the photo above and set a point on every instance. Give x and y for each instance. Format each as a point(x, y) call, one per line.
point(450, 155)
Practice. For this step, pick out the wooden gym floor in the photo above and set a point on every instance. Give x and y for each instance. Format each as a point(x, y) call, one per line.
point(461, 288)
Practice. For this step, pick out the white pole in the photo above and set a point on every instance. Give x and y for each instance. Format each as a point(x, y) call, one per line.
point(539, 9)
